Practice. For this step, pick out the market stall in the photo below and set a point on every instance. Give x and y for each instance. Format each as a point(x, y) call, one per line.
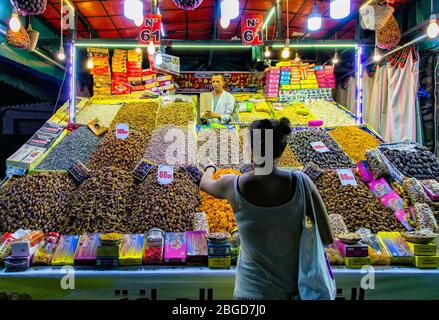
point(108, 187)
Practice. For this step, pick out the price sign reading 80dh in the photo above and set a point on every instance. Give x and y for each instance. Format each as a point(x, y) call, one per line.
point(252, 31)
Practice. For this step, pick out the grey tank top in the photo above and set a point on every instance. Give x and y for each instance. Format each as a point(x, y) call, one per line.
point(270, 241)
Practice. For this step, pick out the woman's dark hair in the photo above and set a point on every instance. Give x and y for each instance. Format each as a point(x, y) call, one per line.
point(281, 130)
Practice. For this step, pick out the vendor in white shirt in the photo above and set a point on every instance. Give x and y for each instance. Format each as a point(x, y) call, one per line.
point(223, 103)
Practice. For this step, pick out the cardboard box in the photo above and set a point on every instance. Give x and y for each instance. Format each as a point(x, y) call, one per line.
point(425, 262)
point(429, 249)
point(397, 246)
point(219, 250)
point(86, 251)
point(65, 251)
point(164, 78)
point(196, 247)
point(175, 247)
point(347, 250)
point(131, 250)
point(356, 262)
point(219, 263)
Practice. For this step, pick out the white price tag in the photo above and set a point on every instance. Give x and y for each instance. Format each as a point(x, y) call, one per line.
point(122, 130)
point(166, 99)
point(347, 177)
point(319, 146)
point(165, 174)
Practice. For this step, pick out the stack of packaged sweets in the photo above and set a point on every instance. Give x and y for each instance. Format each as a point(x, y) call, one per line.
point(272, 78)
point(285, 77)
point(321, 77)
point(330, 77)
point(296, 76)
point(119, 83)
point(165, 83)
point(100, 71)
point(309, 80)
point(149, 77)
point(134, 71)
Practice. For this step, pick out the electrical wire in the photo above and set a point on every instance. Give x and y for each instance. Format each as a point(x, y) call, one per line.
point(288, 20)
point(65, 71)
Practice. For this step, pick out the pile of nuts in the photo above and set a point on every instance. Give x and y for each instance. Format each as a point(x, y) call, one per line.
point(287, 159)
point(170, 207)
point(220, 214)
point(358, 206)
point(100, 203)
point(35, 202)
point(221, 146)
point(417, 162)
point(354, 141)
point(300, 143)
point(104, 112)
point(139, 115)
point(180, 150)
point(297, 116)
point(329, 113)
point(249, 117)
point(77, 146)
point(176, 113)
point(119, 153)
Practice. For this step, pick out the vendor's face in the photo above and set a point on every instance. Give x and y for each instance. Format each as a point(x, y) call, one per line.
point(217, 83)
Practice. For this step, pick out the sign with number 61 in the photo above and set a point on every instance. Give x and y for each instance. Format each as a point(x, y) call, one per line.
point(150, 29)
point(252, 30)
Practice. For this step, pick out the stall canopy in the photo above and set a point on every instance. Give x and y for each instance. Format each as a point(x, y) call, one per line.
point(106, 20)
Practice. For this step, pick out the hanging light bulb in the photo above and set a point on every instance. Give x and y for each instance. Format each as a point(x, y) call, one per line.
point(286, 50)
point(224, 22)
point(267, 52)
point(61, 54)
point(230, 9)
point(138, 50)
point(90, 61)
point(151, 48)
point(297, 58)
point(314, 19)
point(433, 28)
point(138, 20)
point(132, 8)
point(14, 22)
point(376, 55)
point(339, 9)
point(335, 59)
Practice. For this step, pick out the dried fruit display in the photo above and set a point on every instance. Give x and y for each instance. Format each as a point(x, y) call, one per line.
point(170, 207)
point(354, 141)
point(176, 113)
point(77, 146)
point(389, 35)
point(287, 159)
point(414, 161)
point(301, 143)
point(297, 113)
point(18, 39)
point(104, 112)
point(329, 113)
point(358, 206)
point(100, 203)
point(249, 117)
point(221, 146)
point(220, 214)
point(119, 153)
point(35, 202)
point(172, 145)
point(140, 116)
